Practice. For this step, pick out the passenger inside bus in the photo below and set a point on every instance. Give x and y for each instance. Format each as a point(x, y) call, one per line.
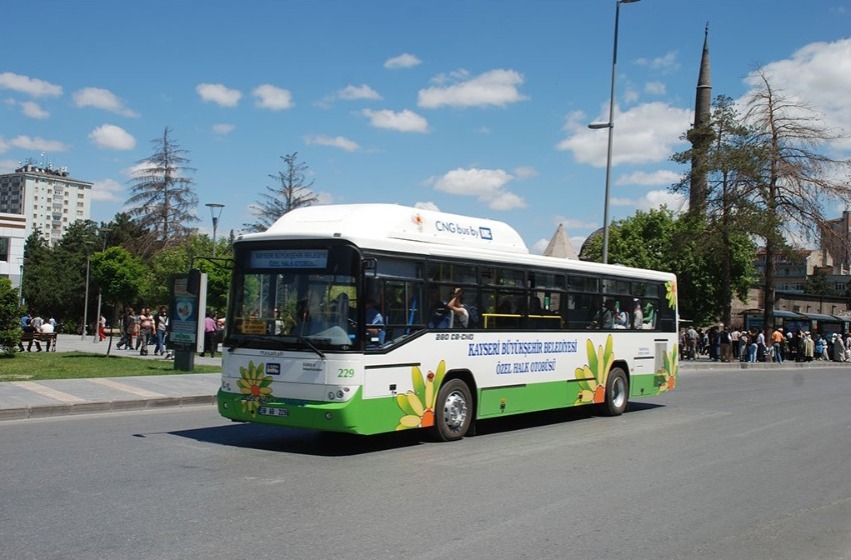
point(609, 313)
point(374, 324)
point(459, 317)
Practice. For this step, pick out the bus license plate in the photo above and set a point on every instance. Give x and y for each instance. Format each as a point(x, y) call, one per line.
point(268, 411)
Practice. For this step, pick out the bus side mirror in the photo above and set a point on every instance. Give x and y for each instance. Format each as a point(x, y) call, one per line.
point(193, 283)
point(370, 265)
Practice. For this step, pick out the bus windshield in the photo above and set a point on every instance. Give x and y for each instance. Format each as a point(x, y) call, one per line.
point(294, 296)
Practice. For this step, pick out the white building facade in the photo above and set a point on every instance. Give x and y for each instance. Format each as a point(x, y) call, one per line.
point(12, 238)
point(49, 199)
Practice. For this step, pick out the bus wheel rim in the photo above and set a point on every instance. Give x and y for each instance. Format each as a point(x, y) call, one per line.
point(455, 410)
point(618, 393)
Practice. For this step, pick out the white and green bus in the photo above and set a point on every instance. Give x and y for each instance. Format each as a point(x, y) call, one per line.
point(338, 321)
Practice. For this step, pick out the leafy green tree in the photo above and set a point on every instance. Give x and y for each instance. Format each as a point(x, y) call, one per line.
point(10, 317)
point(69, 255)
point(819, 284)
point(730, 167)
point(658, 240)
point(292, 191)
point(40, 285)
point(163, 197)
point(120, 276)
point(178, 258)
point(124, 231)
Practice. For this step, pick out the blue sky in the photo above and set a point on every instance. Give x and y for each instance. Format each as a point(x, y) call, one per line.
point(470, 107)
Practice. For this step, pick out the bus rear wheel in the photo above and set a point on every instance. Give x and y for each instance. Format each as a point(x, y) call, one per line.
point(453, 410)
point(617, 393)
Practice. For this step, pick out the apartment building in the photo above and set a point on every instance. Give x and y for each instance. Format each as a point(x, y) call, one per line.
point(48, 198)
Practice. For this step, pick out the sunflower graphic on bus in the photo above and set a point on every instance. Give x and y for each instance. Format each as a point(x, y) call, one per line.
point(666, 377)
point(418, 405)
point(254, 385)
point(593, 375)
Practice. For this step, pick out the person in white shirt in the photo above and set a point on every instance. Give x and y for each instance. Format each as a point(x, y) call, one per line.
point(46, 328)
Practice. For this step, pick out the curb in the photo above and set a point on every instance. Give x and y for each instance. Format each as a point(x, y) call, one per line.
point(50, 411)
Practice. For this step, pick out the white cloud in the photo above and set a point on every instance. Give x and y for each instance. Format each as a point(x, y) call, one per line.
point(223, 129)
point(676, 202)
point(108, 190)
point(402, 61)
point(272, 97)
point(100, 98)
point(30, 86)
point(404, 121)
point(324, 197)
point(334, 142)
point(655, 88)
point(111, 137)
point(645, 133)
point(819, 75)
point(666, 62)
point(219, 94)
point(349, 93)
point(33, 110)
point(572, 224)
point(362, 91)
point(496, 87)
point(539, 246)
point(655, 179)
point(427, 206)
point(631, 96)
point(525, 172)
point(487, 185)
point(654, 199)
point(35, 144)
point(7, 165)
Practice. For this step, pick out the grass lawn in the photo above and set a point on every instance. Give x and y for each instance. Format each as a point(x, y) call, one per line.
point(38, 366)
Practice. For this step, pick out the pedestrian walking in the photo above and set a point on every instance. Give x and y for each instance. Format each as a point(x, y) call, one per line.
point(161, 326)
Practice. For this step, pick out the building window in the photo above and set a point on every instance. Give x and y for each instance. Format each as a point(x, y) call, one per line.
point(4, 249)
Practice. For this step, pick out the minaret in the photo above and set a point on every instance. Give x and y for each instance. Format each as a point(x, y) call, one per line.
point(700, 136)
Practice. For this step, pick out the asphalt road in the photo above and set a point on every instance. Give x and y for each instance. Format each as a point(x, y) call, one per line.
point(734, 464)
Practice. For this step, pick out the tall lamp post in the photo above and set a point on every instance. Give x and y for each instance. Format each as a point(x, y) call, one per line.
point(104, 232)
point(86, 304)
point(610, 125)
point(215, 213)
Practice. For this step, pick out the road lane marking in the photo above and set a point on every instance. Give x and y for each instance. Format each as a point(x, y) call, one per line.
point(127, 388)
point(48, 392)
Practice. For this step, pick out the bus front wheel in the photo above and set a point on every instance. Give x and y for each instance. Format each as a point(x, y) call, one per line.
point(453, 410)
point(617, 393)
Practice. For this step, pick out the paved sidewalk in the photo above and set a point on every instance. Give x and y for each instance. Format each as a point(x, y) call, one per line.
point(37, 399)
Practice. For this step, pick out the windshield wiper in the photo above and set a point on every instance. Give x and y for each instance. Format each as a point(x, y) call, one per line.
point(311, 346)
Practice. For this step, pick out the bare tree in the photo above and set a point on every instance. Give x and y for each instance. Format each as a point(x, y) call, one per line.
point(293, 191)
point(163, 198)
point(796, 179)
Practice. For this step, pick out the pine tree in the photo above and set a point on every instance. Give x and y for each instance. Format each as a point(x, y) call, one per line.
point(163, 198)
point(293, 191)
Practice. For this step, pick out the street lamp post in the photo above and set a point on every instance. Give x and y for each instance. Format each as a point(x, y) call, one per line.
point(86, 304)
point(610, 125)
point(215, 213)
point(104, 232)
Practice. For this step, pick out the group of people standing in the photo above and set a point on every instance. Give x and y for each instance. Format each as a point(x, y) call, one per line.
point(756, 345)
point(140, 330)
